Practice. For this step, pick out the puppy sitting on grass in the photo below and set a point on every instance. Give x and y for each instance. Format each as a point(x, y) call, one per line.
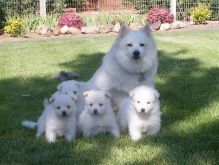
point(98, 116)
point(58, 118)
point(74, 88)
point(140, 112)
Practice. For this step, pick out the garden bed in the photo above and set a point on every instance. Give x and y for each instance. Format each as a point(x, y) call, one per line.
point(35, 36)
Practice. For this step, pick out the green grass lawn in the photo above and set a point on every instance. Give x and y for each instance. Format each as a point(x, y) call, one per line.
point(188, 80)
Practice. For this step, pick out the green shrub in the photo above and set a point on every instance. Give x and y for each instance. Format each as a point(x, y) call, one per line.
point(200, 14)
point(14, 27)
point(2, 18)
point(113, 18)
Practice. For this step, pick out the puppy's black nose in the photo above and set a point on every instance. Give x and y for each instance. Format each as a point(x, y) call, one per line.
point(64, 113)
point(143, 110)
point(95, 111)
point(136, 54)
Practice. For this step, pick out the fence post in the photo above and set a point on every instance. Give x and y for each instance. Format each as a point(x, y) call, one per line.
point(43, 8)
point(173, 8)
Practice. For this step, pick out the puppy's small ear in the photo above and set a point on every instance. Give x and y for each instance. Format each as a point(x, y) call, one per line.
point(107, 95)
point(78, 85)
point(51, 100)
point(147, 30)
point(157, 94)
point(74, 97)
point(85, 93)
point(59, 87)
point(46, 102)
point(124, 29)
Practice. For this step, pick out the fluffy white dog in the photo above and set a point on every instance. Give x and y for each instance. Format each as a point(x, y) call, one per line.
point(131, 62)
point(98, 116)
point(58, 118)
point(140, 112)
point(74, 88)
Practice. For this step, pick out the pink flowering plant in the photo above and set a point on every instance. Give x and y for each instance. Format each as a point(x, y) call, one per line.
point(71, 20)
point(159, 14)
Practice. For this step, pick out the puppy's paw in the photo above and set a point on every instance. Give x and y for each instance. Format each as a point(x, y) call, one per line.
point(135, 136)
point(115, 133)
point(70, 137)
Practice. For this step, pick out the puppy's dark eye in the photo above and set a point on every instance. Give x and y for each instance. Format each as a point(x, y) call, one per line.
point(91, 104)
point(148, 102)
point(129, 45)
point(142, 45)
point(138, 101)
point(100, 104)
point(68, 106)
point(75, 92)
point(58, 107)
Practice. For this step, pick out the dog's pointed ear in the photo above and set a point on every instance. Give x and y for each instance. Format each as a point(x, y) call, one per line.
point(157, 94)
point(85, 93)
point(107, 95)
point(59, 87)
point(146, 29)
point(124, 29)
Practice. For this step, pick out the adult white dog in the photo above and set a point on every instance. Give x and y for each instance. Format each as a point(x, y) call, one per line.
point(58, 118)
point(140, 112)
point(132, 61)
point(98, 116)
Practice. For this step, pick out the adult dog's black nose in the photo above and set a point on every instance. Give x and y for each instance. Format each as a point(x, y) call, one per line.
point(136, 54)
point(142, 110)
point(64, 113)
point(95, 111)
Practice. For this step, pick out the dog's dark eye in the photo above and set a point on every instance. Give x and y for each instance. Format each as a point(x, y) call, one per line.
point(75, 92)
point(138, 101)
point(148, 102)
point(142, 45)
point(91, 104)
point(68, 106)
point(129, 45)
point(100, 104)
point(58, 107)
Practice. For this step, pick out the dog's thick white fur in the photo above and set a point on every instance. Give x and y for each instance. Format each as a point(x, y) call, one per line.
point(98, 116)
point(140, 112)
point(74, 88)
point(58, 118)
point(131, 62)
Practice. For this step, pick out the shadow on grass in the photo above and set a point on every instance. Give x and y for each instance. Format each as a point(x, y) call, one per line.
point(185, 87)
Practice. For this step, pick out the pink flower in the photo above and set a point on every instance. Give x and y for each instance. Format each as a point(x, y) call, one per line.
point(159, 14)
point(71, 20)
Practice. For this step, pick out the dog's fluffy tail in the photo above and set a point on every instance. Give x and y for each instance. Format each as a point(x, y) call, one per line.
point(29, 124)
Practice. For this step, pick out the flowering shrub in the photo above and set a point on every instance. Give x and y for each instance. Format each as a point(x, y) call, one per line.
point(200, 14)
point(159, 14)
point(14, 27)
point(71, 20)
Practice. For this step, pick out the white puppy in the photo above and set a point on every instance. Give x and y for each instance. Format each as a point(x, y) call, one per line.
point(74, 88)
point(140, 112)
point(58, 118)
point(98, 116)
point(131, 62)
